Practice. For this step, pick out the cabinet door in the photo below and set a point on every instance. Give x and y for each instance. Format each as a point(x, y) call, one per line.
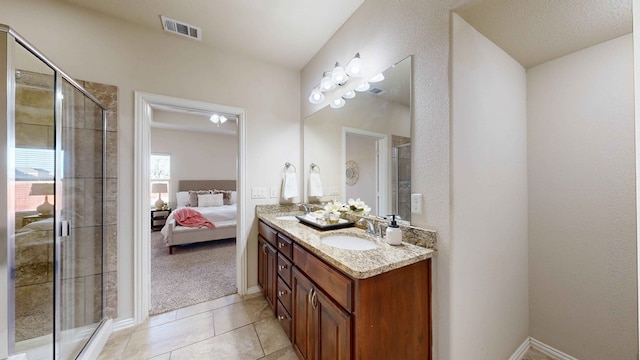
point(303, 331)
point(271, 275)
point(333, 329)
point(262, 263)
point(321, 329)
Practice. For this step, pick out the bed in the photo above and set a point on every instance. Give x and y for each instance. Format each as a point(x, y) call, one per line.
point(223, 216)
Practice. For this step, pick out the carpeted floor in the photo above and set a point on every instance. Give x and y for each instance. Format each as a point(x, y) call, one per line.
point(193, 274)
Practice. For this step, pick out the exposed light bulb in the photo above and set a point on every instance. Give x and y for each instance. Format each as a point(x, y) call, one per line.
point(377, 78)
point(222, 119)
point(215, 118)
point(349, 95)
point(363, 87)
point(338, 75)
point(354, 67)
point(337, 103)
point(316, 96)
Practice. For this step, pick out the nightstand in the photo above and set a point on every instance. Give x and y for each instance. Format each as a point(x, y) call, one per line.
point(159, 218)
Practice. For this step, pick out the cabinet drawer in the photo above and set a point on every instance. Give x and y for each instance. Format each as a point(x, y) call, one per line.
point(268, 233)
point(284, 318)
point(284, 295)
point(330, 280)
point(285, 246)
point(284, 269)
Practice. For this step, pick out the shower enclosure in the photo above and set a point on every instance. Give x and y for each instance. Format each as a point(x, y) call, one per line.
point(401, 177)
point(52, 224)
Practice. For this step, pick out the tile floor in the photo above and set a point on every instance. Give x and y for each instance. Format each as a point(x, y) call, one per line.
point(227, 328)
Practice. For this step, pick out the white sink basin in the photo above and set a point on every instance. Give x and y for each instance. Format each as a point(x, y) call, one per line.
point(286, 217)
point(348, 242)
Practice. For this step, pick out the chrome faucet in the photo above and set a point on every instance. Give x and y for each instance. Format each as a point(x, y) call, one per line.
point(371, 228)
point(307, 208)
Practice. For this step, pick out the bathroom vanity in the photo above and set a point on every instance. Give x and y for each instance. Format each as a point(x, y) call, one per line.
point(345, 304)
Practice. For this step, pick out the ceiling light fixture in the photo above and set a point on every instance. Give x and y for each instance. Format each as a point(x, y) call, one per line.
point(218, 119)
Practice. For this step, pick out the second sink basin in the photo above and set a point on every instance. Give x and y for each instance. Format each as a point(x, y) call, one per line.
point(349, 242)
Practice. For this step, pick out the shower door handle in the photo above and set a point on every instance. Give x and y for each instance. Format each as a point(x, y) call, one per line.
point(65, 228)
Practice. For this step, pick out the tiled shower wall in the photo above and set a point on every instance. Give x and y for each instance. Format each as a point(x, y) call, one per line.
point(34, 254)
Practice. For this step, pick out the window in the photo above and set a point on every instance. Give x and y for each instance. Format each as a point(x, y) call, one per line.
point(160, 173)
point(33, 166)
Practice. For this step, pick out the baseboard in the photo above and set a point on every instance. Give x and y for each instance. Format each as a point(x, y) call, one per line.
point(123, 324)
point(522, 350)
point(18, 357)
point(254, 290)
point(549, 351)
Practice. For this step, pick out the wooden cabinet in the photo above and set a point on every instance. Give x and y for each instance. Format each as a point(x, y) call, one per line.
point(322, 330)
point(267, 273)
point(329, 315)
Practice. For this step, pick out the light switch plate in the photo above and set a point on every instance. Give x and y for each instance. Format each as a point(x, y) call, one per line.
point(416, 203)
point(274, 191)
point(258, 193)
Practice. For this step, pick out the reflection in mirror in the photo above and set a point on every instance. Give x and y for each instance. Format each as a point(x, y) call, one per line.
point(363, 150)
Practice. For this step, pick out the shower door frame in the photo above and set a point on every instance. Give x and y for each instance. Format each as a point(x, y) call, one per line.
point(8, 39)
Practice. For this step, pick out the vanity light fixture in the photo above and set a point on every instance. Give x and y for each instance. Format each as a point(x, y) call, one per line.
point(337, 103)
point(338, 75)
point(377, 78)
point(326, 84)
point(354, 67)
point(349, 94)
point(316, 96)
point(218, 119)
point(363, 87)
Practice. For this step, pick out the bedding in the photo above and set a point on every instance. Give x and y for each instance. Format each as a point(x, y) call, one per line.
point(220, 195)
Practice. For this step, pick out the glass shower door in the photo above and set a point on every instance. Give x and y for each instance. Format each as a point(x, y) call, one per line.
point(80, 246)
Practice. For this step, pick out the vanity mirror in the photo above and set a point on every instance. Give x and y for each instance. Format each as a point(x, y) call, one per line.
point(363, 149)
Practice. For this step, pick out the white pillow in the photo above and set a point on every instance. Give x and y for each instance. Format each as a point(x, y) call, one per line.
point(182, 198)
point(210, 200)
point(234, 197)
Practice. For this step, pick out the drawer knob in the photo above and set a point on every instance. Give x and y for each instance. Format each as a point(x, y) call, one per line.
point(282, 267)
point(280, 245)
point(280, 293)
point(280, 317)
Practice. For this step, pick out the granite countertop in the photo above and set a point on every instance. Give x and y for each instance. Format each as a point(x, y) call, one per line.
point(359, 264)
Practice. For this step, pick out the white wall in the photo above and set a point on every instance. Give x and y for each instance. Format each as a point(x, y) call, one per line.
point(196, 156)
point(489, 293)
point(94, 47)
point(582, 221)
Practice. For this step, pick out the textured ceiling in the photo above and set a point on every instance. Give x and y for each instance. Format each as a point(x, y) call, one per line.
point(536, 31)
point(285, 32)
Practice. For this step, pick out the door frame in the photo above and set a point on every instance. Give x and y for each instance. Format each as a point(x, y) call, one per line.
point(142, 235)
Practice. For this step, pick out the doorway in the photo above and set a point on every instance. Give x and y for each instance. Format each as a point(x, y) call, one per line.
point(144, 104)
point(366, 162)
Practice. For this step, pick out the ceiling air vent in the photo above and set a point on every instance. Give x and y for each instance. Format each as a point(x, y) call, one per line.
point(376, 91)
point(181, 28)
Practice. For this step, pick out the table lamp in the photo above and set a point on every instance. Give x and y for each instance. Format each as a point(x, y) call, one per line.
point(46, 189)
point(159, 188)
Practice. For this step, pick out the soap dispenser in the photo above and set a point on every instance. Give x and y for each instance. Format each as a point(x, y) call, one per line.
point(394, 234)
